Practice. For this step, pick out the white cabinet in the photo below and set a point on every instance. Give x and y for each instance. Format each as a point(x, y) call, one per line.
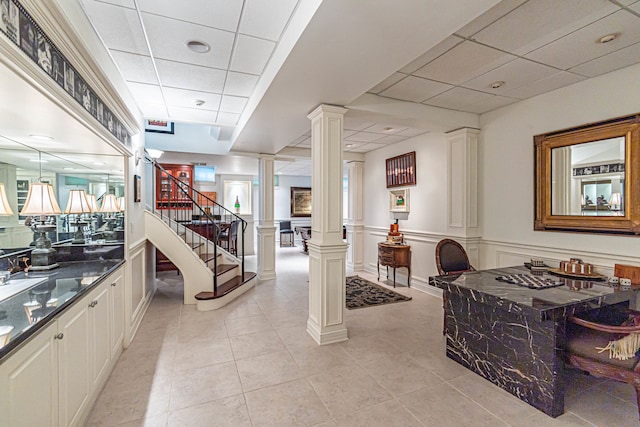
point(74, 355)
point(116, 300)
point(54, 378)
point(29, 383)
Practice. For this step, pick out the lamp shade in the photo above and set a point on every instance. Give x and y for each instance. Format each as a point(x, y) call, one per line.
point(153, 153)
point(93, 204)
point(121, 203)
point(41, 200)
point(77, 203)
point(109, 204)
point(5, 208)
point(616, 199)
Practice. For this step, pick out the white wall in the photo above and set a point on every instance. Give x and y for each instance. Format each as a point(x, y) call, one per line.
point(507, 167)
point(426, 222)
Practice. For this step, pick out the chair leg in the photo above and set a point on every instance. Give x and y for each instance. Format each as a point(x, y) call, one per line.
point(637, 387)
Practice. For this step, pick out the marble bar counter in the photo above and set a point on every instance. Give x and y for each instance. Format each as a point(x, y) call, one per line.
point(513, 335)
point(29, 301)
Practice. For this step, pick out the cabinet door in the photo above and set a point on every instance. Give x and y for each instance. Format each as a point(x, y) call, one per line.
point(29, 383)
point(75, 361)
point(116, 294)
point(100, 333)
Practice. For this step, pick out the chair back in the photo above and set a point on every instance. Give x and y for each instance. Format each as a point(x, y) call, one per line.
point(285, 226)
point(451, 258)
point(233, 229)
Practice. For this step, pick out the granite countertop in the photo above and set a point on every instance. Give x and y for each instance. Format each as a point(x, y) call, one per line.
point(59, 288)
point(483, 287)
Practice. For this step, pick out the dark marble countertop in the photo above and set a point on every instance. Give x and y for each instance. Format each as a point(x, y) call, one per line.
point(59, 288)
point(574, 295)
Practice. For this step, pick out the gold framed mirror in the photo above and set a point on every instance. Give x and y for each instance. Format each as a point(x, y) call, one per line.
point(586, 178)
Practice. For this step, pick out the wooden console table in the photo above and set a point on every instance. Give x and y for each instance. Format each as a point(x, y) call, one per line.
point(392, 255)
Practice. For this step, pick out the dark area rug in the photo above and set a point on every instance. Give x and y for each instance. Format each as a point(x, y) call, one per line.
point(363, 293)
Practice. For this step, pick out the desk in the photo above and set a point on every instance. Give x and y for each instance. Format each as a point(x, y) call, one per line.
point(514, 336)
point(394, 256)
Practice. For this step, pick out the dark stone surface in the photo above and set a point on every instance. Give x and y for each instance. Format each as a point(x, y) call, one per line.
point(514, 336)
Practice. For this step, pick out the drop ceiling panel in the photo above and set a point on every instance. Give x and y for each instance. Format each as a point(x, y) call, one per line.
point(388, 82)
point(193, 115)
point(386, 128)
point(490, 104)
point(251, 54)
point(635, 7)
point(356, 124)
point(515, 74)
point(411, 132)
point(464, 62)
point(547, 84)
point(223, 14)
point(415, 89)
point(227, 118)
point(233, 104)
point(431, 54)
point(145, 93)
point(457, 98)
point(391, 139)
point(124, 3)
point(536, 23)
point(134, 67)
point(168, 40)
point(194, 77)
point(187, 98)
point(582, 46)
point(240, 84)
point(266, 19)
point(619, 59)
point(490, 16)
point(154, 111)
point(118, 27)
point(364, 137)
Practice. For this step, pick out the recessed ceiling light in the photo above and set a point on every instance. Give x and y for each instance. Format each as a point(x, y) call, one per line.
point(98, 163)
point(41, 137)
point(68, 169)
point(388, 129)
point(496, 85)
point(199, 102)
point(349, 145)
point(38, 161)
point(608, 38)
point(198, 46)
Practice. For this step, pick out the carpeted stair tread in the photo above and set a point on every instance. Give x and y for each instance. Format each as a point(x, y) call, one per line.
point(226, 287)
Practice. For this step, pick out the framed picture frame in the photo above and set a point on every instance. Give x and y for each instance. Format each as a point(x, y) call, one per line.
point(401, 170)
point(399, 200)
point(137, 188)
point(159, 126)
point(300, 201)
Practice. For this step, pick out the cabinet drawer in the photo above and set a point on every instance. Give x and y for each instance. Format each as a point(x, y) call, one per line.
point(385, 258)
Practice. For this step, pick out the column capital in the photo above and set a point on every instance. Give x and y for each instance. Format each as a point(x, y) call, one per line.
point(326, 108)
point(462, 132)
point(266, 156)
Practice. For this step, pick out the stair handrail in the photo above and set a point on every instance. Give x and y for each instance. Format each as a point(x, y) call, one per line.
point(188, 207)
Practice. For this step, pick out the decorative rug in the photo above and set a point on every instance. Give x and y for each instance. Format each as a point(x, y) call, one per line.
point(363, 293)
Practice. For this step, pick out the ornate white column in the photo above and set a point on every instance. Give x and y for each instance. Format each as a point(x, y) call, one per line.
point(462, 206)
point(266, 229)
point(355, 218)
point(327, 250)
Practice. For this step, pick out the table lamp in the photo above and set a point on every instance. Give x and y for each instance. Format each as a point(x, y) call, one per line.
point(110, 206)
point(41, 201)
point(615, 201)
point(78, 204)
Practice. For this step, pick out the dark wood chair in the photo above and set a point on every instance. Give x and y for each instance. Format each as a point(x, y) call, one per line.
point(229, 238)
point(451, 258)
point(585, 336)
point(285, 230)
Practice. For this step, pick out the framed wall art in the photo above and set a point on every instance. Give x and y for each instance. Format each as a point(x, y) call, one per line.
point(158, 126)
point(401, 170)
point(300, 201)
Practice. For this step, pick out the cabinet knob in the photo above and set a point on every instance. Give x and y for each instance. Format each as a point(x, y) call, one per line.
point(58, 336)
point(93, 304)
point(114, 284)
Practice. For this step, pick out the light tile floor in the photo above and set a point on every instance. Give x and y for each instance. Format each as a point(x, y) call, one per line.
point(252, 364)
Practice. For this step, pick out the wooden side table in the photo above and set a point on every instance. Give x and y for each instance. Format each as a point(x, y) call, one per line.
point(391, 255)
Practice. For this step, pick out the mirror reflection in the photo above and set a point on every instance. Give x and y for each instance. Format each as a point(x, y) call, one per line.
point(87, 189)
point(587, 179)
